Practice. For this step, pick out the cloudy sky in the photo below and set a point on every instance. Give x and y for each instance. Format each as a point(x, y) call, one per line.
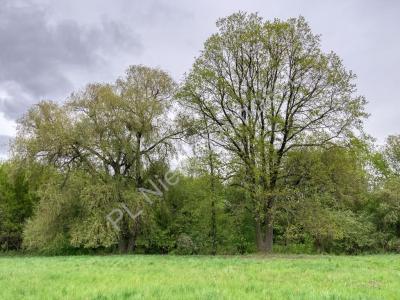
point(50, 48)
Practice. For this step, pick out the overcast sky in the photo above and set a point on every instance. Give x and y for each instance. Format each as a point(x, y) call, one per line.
point(50, 48)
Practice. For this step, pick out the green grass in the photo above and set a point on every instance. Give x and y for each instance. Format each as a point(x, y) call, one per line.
point(174, 277)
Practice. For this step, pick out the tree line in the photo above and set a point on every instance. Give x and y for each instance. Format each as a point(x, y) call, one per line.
point(278, 157)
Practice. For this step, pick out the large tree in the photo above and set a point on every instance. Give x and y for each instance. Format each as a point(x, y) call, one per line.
point(266, 89)
point(111, 132)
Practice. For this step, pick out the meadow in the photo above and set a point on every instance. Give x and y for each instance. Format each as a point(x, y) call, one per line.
point(200, 277)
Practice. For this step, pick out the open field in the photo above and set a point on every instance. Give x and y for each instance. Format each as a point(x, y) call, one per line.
point(174, 277)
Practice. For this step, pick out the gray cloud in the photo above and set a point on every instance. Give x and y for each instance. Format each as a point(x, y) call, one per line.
point(39, 58)
point(54, 47)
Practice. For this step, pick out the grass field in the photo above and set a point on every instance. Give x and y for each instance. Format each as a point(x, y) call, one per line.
point(174, 277)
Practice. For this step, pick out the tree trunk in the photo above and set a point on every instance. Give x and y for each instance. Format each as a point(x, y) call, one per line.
point(265, 235)
point(265, 226)
point(213, 229)
point(127, 240)
point(131, 244)
point(126, 244)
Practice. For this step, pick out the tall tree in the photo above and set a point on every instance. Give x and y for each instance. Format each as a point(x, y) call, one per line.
point(112, 132)
point(205, 163)
point(266, 89)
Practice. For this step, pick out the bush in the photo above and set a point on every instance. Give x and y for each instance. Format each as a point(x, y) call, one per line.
point(185, 245)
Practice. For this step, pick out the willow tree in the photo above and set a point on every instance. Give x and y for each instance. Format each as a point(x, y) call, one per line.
point(265, 89)
point(111, 133)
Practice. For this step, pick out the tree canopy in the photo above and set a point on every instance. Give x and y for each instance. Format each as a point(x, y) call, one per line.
point(266, 89)
point(260, 147)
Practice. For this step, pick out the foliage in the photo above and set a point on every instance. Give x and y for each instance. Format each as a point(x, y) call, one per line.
point(273, 124)
point(113, 134)
point(18, 184)
point(265, 90)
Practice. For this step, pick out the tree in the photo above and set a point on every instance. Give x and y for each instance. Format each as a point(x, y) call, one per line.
point(385, 199)
point(266, 89)
point(323, 205)
point(392, 154)
point(206, 163)
point(18, 195)
point(111, 133)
